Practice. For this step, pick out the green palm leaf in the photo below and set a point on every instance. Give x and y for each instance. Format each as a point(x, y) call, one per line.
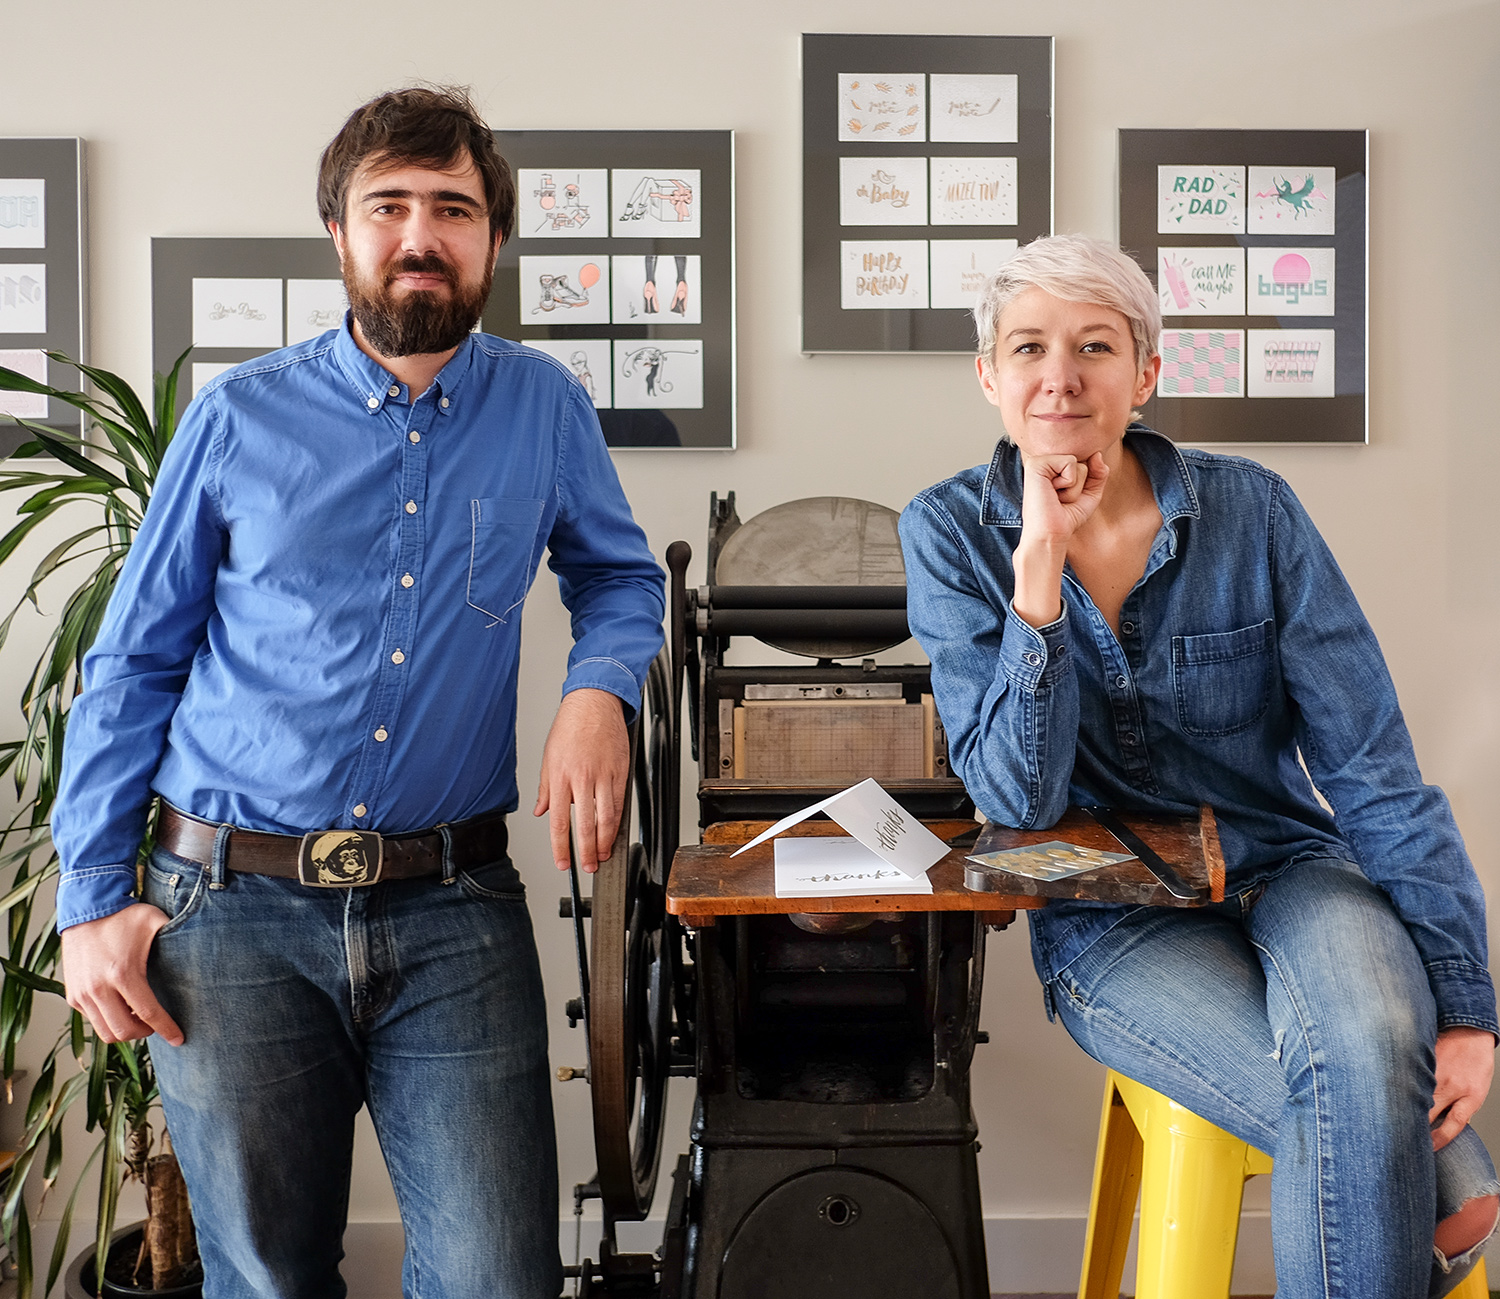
point(113, 469)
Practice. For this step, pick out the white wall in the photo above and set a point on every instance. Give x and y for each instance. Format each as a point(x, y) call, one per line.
point(207, 120)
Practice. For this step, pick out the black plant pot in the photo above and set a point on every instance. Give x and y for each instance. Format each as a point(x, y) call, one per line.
point(80, 1283)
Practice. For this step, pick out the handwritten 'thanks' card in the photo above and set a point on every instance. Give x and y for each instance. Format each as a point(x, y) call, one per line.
point(313, 306)
point(837, 867)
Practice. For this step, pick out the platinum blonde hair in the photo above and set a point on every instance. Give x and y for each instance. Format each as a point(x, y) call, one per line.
point(1075, 268)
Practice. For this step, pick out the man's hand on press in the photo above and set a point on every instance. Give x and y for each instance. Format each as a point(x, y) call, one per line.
point(584, 766)
point(104, 970)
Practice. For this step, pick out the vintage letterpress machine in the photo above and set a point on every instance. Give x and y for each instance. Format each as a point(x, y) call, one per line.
point(833, 1145)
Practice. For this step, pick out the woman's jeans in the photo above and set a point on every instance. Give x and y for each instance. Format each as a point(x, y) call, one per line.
point(1299, 1018)
point(419, 999)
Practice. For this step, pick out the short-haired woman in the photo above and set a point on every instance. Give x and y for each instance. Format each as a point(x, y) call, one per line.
point(1114, 619)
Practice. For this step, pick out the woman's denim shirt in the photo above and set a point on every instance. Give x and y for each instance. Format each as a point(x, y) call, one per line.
point(1241, 646)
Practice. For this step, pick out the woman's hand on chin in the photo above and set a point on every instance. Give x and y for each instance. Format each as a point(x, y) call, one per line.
point(1059, 495)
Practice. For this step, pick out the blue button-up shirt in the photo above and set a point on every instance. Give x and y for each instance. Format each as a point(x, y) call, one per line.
point(319, 622)
point(1240, 647)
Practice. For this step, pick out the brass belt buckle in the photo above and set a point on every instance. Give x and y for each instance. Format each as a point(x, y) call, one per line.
point(339, 859)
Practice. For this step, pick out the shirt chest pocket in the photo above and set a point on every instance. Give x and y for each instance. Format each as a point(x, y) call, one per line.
point(502, 542)
point(1223, 679)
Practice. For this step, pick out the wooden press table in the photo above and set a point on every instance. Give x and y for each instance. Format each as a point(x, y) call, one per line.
point(831, 1073)
point(708, 882)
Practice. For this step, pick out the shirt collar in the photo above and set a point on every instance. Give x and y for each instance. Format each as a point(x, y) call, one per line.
point(373, 385)
point(1171, 483)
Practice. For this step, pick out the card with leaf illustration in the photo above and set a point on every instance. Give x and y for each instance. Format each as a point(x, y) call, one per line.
point(880, 106)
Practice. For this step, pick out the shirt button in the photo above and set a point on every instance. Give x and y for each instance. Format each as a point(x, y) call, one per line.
point(411, 507)
point(1121, 682)
point(1128, 737)
point(414, 436)
point(1128, 628)
point(444, 403)
point(381, 735)
point(407, 579)
point(373, 402)
point(1033, 658)
point(394, 390)
point(398, 657)
point(360, 809)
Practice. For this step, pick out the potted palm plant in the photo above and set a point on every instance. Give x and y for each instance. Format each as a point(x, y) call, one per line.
point(96, 488)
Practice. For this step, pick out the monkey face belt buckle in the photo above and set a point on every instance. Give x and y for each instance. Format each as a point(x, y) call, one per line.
point(340, 859)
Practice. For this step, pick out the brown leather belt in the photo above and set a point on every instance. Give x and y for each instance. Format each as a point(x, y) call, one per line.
point(337, 858)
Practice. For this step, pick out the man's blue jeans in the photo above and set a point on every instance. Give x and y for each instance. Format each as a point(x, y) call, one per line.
point(1299, 1018)
point(299, 1005)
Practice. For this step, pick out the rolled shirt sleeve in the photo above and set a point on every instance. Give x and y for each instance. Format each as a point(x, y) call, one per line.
point(1006, 690)
point(1359, 754)
point(612, 587)
point(133, 678)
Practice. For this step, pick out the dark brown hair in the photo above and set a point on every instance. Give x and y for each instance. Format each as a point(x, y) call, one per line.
point(429, 127)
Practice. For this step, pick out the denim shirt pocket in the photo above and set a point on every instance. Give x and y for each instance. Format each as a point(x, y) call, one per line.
point(502, 540)
point(1222, 680)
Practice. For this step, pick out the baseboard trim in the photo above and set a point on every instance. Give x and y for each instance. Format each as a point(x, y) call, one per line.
point(1027, 1253)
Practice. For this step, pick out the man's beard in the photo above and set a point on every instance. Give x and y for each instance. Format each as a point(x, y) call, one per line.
point(419, 321)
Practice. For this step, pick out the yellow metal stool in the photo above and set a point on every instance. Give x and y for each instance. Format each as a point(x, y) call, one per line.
point(1190, 1176)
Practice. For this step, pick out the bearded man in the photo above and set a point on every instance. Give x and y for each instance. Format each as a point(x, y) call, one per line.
point(311, 660)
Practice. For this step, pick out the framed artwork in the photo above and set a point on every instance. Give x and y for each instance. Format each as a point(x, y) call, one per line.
point(622, 267)
point(926, 162)
point(1256, 242)
point(43, 287)
point(234, 299)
